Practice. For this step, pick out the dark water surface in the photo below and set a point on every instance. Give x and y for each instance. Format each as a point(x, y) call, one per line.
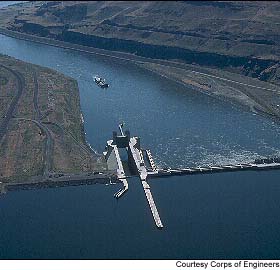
point(229, 215)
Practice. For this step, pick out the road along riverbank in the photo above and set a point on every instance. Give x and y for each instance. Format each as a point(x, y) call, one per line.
point(250, 93)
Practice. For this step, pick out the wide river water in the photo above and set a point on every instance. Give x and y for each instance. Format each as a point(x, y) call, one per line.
point(228, 215)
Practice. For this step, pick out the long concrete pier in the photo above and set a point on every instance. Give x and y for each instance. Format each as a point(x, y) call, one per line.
point(152, 204)
point(139, 165)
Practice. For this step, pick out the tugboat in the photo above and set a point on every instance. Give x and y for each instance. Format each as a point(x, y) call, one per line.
point(101, 82)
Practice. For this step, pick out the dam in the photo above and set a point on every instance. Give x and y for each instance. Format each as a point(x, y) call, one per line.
point(110, 228)
point(136, 165)
point(141, 163)
point(126, 159)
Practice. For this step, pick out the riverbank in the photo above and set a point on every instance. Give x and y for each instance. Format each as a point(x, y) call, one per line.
point(247, 93)
point(41, 129)
point(250, 93)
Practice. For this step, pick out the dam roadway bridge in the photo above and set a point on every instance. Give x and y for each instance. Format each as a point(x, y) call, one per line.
point(141, 163)
point(136, 162)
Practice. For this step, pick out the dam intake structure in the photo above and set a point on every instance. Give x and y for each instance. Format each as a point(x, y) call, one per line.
point(139, 162)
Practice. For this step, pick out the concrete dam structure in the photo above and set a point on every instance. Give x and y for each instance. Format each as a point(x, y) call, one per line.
point(139, 162)
point(136, 165)
point(125, 159)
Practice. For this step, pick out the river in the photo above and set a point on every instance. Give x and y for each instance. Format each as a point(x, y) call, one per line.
point(229, 215)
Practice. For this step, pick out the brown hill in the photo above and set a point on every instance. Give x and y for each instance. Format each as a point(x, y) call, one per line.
point(240, 36)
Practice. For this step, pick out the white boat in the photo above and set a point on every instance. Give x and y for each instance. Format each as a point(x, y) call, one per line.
point(100, 82)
